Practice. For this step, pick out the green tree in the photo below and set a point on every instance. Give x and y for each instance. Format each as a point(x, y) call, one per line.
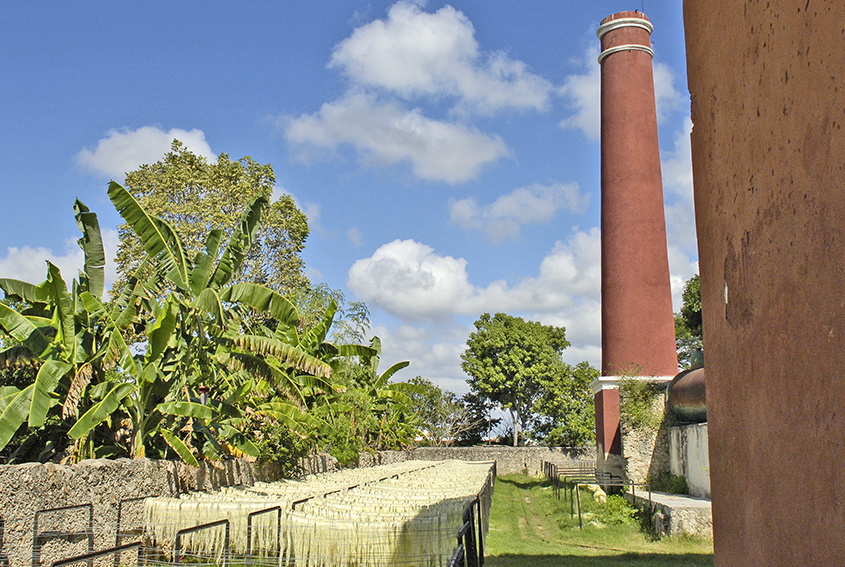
point(689, 336)
point(480, 417)
point(564, 413)
point(195, 196)
point(443, 416)
point(506, 359)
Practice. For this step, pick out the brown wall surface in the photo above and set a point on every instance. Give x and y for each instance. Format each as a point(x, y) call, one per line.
point(638, 332)
point(767, 85)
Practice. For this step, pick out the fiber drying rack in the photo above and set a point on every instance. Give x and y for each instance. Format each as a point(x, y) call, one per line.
point(406, 514)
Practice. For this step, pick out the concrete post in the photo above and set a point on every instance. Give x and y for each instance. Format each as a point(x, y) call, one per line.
point(638, 332)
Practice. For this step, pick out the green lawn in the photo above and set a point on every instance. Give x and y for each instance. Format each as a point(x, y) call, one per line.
point(530, 527)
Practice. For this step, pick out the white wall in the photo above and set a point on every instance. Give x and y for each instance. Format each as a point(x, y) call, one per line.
point(689, 457)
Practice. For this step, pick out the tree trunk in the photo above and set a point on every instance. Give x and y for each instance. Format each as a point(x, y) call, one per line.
point(515, 421)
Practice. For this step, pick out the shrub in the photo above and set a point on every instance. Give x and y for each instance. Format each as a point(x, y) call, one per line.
point(667, 482)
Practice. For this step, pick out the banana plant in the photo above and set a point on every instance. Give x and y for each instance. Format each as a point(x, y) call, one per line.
point(202, 337)
point(55, 332)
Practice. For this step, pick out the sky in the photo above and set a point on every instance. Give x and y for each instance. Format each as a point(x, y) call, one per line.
point(446, 154)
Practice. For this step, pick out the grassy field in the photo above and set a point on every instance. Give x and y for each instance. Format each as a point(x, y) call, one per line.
point(530, 527)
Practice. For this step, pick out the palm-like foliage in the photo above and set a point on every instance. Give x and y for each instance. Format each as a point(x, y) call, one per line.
point(200, 338)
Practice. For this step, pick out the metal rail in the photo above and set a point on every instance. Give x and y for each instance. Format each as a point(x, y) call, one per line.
point(177, 544)
point(4, 559)
point(89, 557)
point(250, 516)
point(38, 538)
point(470, 550)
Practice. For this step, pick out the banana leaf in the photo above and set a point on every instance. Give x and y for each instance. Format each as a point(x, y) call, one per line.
point(181, 449)
point(18, 327)
point(101, 411)
point(186, 409)
point(204, 262)
point(158, 238)
point(162, 331)
point(234, 256)
point(45, 384)
point(92, 245)
point(262, 299)
point(28, 292)
point(14, 413)
point(64, 311)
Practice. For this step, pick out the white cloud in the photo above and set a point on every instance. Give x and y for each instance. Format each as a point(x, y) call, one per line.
point(413, 283)
point(434, 352)
point(355, 237)
point(677, 182)
point(431, 294)
point(503, 218)
point(29, 264)
point(413, 53)
point(384, 133)
point(121, 152)
point(681, 269)
point(583, 93)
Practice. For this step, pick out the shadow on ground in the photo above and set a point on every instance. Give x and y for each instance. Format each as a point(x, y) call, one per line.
point(526, 484)
point(642, 560)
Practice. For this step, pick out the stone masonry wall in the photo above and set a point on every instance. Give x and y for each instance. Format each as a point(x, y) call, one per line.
point(646, 452)
point(509, 460)
point(28, 488)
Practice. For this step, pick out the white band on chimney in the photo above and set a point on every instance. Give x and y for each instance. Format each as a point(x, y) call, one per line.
point(629, 47)
point(624, 23)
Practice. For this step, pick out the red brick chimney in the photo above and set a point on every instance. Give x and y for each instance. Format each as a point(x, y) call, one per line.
point(638, 332)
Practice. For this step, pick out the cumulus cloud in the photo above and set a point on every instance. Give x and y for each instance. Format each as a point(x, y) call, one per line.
point(123, 151)
point(431, 294)
point(29, 264)
point(410, 281)
point(384, 133)
point(503, 218)
point(583, 94)
point(413, 53)
point(676, 167)
point(433, 350)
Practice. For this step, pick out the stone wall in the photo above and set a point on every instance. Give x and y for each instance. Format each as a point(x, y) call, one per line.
point(646, 451)
point(509, 460)
point(689, 457)
point(28, 488)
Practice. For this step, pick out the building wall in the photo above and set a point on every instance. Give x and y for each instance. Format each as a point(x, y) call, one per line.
point(689, 457)
point(767, 88)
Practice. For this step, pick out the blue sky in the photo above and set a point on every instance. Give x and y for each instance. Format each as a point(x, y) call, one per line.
point(447, 155)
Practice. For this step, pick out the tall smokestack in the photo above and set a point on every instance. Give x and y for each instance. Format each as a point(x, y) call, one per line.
point(638, 333)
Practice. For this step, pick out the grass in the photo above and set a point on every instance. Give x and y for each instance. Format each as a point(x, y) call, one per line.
point(530, 527)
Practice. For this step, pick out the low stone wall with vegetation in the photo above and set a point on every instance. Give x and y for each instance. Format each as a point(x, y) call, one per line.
point(645, 429)
point(510, 460)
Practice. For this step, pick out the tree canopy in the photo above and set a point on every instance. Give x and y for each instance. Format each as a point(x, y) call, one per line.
point(195, 196)
point(689, 336)
point(515, 363)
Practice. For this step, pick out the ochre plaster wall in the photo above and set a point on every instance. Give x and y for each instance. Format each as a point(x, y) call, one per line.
point(767, 86)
